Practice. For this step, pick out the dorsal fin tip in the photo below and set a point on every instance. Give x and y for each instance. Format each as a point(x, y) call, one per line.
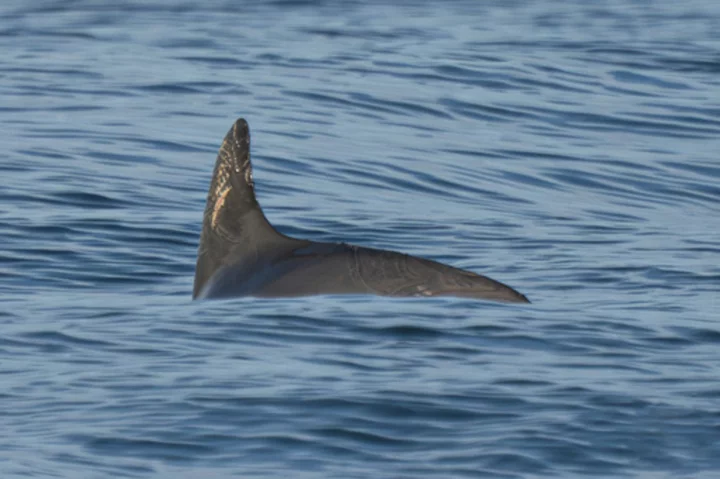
point(242, 124)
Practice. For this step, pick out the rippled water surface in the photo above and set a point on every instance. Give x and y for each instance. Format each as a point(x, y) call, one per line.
point(569, 149)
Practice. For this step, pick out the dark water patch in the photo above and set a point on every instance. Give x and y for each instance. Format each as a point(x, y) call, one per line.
point(699, 169)
point(55, 337)
point(699, 335)
point(420, 75)
point(205, 87)
point(686, 65)
point(627, 91)
point(408, 108)
point(692, 120)
point(338, 101)
point(484, 112)
point(510, 154)
point(614, 217)
point(170, 88)
point(56, 91)
point(47, 33)
point(181, 43)
point(171, 146)
point(60, 72)
point(365, 439)
point(535, 181)
point(576, 119)
point(458, 71)
point(349, 365)
point(522, 383)
point(114, 229)
point(85, 200)
point(110, 157)
point(552, 85)
point(406, 332)
point(401, 178)
point(134, 447)
point(631, 77)
point(126, 469)
point(581, 179)
point(669, 341)
point(217, 61)
point(366, 34)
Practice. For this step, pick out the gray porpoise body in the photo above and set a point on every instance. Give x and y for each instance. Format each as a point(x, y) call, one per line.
point(241, 254)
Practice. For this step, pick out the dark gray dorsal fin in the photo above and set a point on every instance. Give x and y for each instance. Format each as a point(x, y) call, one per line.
point(233, 225)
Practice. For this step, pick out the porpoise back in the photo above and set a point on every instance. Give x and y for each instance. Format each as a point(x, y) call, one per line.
point(241, 254)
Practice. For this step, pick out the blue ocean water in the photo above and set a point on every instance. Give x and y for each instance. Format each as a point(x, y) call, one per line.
point(569, 149)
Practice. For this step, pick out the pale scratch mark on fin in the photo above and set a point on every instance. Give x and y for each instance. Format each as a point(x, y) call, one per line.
point(219, 203)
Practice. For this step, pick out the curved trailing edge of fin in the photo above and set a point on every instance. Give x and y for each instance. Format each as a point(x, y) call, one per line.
point(233, 223)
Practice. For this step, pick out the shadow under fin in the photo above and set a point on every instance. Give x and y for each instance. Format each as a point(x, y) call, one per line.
point(233, 224)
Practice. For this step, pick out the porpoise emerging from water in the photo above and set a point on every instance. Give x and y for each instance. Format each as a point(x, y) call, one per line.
point(241, 254)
